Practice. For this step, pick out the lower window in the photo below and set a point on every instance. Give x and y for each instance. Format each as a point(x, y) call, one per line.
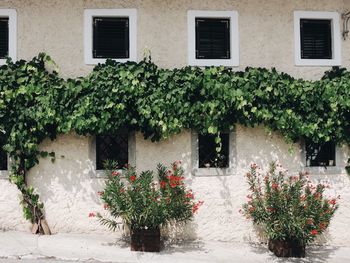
point(3, 156)
point(208, 156)
point(111, 147)
point(320, 154)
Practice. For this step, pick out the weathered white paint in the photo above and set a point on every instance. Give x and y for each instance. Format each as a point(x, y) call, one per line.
point(69, 188)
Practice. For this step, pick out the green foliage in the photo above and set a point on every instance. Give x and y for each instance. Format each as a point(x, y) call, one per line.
point(141, 202)
point(289, 208)
point(36, 103)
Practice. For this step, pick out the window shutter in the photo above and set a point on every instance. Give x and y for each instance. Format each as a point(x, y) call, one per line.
point(316, 39)
point(111, 37)
point(4, 37)
point(212, 38)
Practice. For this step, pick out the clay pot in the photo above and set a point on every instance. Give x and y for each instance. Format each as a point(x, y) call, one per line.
point(146, 240)
point(287, 248)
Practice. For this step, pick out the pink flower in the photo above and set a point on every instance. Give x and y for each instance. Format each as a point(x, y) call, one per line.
point(115, 173)
point(92, 214)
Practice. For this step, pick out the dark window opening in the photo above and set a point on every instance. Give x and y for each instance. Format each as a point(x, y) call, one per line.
point(320, 154)
point(110, 37)
point(111, 147)
point(3, 155)
point(316, 39)
point(208, 157)
point(4, 37)
point(213, 38)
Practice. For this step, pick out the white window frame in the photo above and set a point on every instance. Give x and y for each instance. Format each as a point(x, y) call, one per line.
point(4, 174)
point(340, 159)
point(11, 14)
point(230, 170)
point(94, 173)
point(89, 14)
point(336, 38)
point(234, 38)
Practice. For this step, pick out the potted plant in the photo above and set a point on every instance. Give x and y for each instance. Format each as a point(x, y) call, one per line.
point(347, 167)
point(291, 210)
point(145, 205)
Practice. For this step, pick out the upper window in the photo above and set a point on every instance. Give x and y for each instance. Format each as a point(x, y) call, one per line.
point(110, 33)
point(320, 154)
point(213, 38)
point(112, 147)
point(8, 32)
point(317, 38)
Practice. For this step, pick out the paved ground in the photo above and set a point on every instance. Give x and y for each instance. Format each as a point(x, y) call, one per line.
point(18, 247)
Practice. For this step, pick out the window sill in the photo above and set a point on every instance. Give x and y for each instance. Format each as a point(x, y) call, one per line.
point(95, 61)
point(213, 62)
point(317, 62)
point(4, 174)
point(102, 174)
point(212, 172)
point(324, 170)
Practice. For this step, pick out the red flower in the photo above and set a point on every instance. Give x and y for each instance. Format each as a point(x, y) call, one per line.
point(314, 232)
point(189, 195)
point(132, 178)
point(91, 214)
point(332, 202)
point(162, 184)
point(105, 206)
point(274, 186)
point(100, 193)
point(322, 226)
point(195, 207)
point(115, 173)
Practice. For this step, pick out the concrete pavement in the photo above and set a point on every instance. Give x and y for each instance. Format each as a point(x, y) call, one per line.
point(25, 247)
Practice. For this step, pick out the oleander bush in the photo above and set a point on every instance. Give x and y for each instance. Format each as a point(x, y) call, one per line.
point(289, 208)
point(144, 203)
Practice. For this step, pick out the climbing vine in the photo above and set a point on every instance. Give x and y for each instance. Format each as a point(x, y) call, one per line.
point(36, 103)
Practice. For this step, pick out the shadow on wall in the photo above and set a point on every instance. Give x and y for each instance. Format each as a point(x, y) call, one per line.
point(66, 186)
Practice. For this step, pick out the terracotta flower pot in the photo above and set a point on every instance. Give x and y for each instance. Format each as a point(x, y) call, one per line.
point(146, 240)
point(287, 248)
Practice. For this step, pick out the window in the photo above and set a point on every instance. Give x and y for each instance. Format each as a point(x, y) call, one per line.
point(8, 34)
point(3, 155)
point(111, 37)
point(110, 33)
point(317, 38)
point(208, 157)
point(213, 38)
point(206, 161)
point(320, 154)
point(112, 147)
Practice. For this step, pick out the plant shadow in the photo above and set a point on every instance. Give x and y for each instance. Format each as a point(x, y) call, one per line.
point(314, 253)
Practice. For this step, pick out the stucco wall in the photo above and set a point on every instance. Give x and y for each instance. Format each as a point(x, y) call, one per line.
point(69, 186)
